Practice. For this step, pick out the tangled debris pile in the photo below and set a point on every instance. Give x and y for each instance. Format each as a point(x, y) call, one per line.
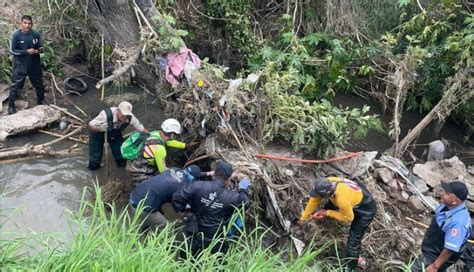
point(404, 199)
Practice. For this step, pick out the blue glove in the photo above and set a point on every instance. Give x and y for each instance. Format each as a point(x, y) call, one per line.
point(244, 184)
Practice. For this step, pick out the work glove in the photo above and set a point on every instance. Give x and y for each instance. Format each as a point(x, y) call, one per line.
point(244, 184)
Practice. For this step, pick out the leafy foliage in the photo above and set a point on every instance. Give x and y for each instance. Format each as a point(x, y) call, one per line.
point(309, 126)
point(443, 42)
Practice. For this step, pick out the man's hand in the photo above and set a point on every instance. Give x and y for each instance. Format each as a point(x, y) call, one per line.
point(321, 214)
point(431, 268)
point(244, 184)
point(301, 222)
point(31, 51)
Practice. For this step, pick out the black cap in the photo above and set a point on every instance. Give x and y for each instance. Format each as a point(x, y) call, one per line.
point(456, 187)
point(322, 187)
point(223, 169)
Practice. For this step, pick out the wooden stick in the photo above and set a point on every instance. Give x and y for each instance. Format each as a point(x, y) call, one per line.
point(59, 135)
point(426, 226)
point(55, 84)
point(102, 61)
point(65, 111)
point(196, 159)
point(77, 130)
point(106, 136)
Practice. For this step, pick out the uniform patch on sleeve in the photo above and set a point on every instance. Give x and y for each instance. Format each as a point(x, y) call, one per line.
point(454, 232)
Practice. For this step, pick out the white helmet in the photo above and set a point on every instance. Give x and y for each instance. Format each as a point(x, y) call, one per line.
point(171, 126)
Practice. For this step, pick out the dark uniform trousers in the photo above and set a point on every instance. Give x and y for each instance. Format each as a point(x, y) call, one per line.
point(26, 67)
point(431, 247)
point(96, 147)
point(204, 238)
point(363, 216)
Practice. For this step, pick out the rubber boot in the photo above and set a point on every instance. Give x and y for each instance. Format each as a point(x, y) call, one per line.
point(11, 107)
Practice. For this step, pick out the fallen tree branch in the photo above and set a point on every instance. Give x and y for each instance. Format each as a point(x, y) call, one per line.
point(65, 111)
point(59, 135)
point(129, 63)
point(38, 150)
point(452, 98)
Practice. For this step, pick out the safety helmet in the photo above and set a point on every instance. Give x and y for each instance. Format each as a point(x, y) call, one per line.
point(171, 126)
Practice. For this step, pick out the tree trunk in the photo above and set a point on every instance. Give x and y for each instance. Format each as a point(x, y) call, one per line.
point(117, 21)
point(340, 18)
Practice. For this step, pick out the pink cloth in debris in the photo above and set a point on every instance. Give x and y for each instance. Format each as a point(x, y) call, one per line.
point(175, 66)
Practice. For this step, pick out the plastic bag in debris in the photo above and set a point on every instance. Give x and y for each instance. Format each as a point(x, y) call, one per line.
point(252, 78)
point(189, 69)
point(234, 84)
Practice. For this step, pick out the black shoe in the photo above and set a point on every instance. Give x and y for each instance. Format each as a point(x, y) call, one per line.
point(93, 168)
point(11, 110)
point(40, 102)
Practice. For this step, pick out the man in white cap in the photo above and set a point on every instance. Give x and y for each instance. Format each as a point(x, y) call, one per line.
point(111, 120)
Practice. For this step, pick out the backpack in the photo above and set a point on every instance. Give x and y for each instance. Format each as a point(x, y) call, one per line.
point(133, 145)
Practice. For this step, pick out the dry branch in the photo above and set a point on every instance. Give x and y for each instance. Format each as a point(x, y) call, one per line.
point(38, 150)
point(128, 64)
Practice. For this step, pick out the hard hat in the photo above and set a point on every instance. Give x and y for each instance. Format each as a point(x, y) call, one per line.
point(125, 107)
point(171, 126)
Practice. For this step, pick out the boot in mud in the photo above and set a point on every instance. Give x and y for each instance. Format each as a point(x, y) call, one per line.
point(11, 107)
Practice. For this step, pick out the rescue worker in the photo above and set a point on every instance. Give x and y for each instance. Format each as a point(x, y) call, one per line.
point(26, 47)
point(159, 190)
point(446, 237)
point(212, 204)
point(152, 160)
point(348, 202)
point(113, 121)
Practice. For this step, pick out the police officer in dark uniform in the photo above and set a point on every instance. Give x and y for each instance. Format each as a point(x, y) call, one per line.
point(448, 232)
point(213, 205)
point(113, 121)
point(158, 190)
point(26, 47)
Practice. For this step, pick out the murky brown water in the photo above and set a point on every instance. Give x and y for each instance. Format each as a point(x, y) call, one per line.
point(38, 193)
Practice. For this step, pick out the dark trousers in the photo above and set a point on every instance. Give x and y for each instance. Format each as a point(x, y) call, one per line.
point(21, 70)
point(203, 239)
point(96, 147)
point(362, 218)
point(422, 262)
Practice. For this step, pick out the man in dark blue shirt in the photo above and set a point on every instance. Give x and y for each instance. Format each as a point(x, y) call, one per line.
point(212, 204)
point(158, 190)
point(448, 232)
point(26, 47)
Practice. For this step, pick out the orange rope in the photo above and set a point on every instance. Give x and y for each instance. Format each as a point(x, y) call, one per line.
point(271, 157)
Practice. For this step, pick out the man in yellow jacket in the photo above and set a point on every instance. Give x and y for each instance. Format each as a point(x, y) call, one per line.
point(151, 161)
point(348, 202)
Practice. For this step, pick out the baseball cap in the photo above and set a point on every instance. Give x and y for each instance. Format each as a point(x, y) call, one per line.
point(322, 187)
point(125, 107)
point(223, 169)
point(456, 187)
point(194, 171)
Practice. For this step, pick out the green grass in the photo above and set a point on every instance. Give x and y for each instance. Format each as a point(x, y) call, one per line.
point(111, 241)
